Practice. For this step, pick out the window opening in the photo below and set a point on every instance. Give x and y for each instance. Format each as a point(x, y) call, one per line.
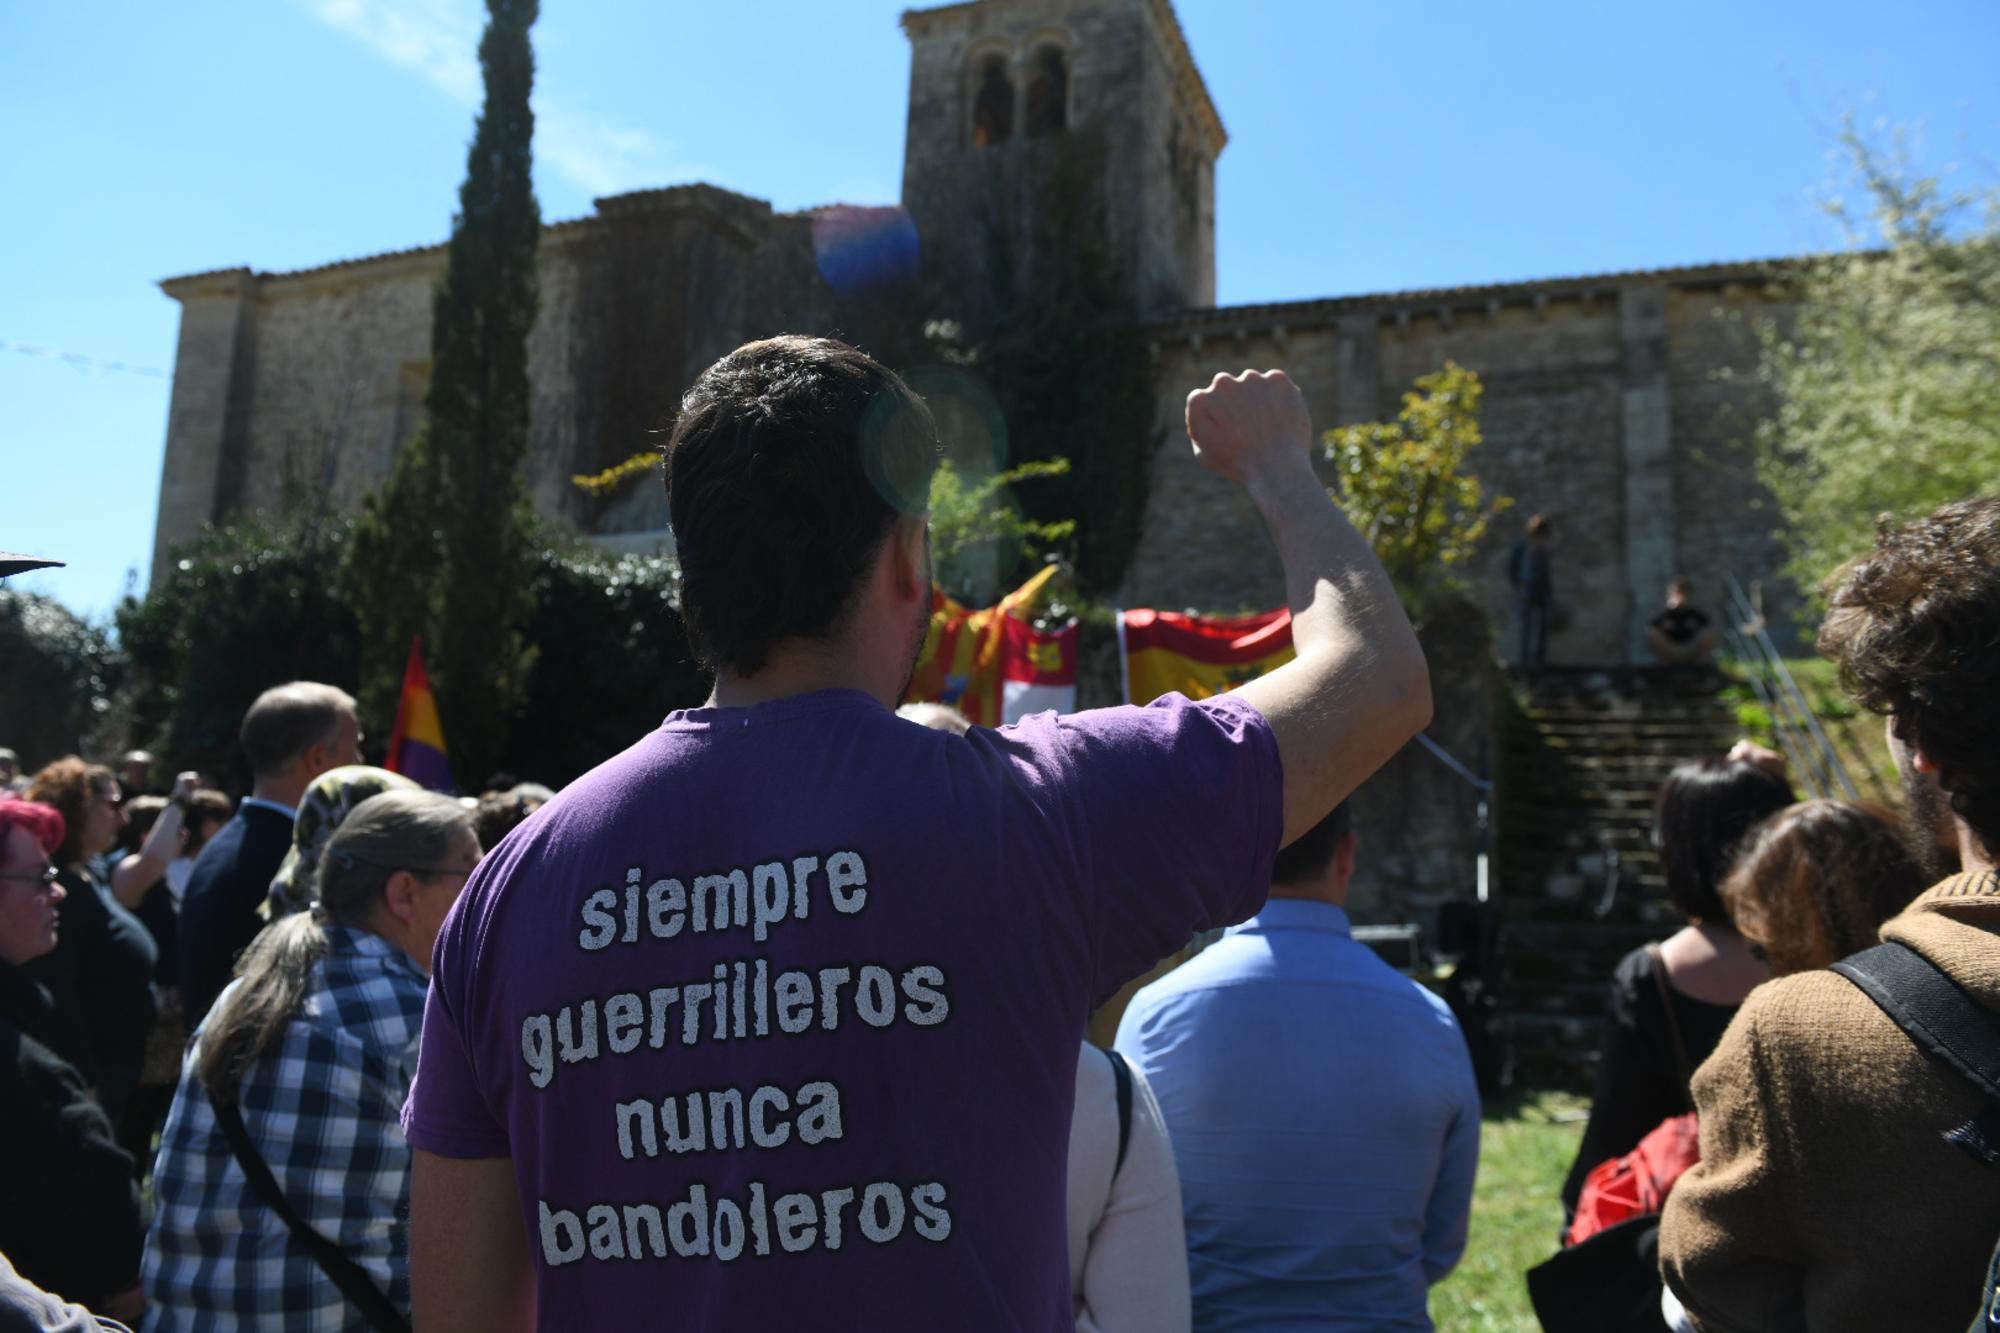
point(993, 104)
point(1048, 93)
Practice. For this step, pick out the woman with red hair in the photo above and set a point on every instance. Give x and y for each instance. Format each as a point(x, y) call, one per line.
point(69, 1215)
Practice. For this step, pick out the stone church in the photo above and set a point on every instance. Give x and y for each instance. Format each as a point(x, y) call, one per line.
point(1617, 403)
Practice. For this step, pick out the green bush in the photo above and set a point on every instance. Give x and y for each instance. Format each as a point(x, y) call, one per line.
point(242, 608)
point(612, 660)
point(247, 607)
point(58, 675)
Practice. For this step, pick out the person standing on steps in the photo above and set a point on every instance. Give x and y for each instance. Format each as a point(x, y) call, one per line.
point(1534, 591)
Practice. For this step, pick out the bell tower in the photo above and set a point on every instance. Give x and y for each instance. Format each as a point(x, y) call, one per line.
point(1026, 110)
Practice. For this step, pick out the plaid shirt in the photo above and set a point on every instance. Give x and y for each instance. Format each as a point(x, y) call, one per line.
point(322, 1106)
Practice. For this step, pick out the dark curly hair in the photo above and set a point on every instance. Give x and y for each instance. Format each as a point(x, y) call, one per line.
point(1914, 626)
point(1814, 883)
point(788, 466)
point(70, 785)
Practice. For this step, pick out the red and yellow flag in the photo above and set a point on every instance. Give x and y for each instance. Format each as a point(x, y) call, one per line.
point(1161, 652)
point(416, 743)
point(992, 665)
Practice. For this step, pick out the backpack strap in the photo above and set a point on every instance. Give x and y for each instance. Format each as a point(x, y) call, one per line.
point(1121, 1077)
point(1945, 1022)
point(354, 1283)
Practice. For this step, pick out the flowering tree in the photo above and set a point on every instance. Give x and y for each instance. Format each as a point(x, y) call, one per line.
point(1886, 396)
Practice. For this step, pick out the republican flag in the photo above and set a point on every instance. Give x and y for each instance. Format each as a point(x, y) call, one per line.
point(992, 665)
point(1160, 652)
point(416, 743)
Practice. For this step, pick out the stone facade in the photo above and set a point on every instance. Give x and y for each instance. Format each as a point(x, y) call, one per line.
point(1607, 405)
point(1622, 406)
point(1129, 82)
point(297, 389)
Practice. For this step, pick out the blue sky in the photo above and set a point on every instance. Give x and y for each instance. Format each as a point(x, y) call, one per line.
point(1373, 147)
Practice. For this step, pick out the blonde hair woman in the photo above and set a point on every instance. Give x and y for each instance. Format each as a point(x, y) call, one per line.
point(282, 1185)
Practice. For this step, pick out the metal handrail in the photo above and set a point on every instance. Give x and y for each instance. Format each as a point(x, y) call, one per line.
point(1482, 884)
point(1454, 763)
point(1815, 761)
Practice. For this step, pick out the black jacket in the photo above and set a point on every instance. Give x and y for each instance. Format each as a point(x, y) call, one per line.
point(219, 911)
point(100, 978)
point(69, 1207)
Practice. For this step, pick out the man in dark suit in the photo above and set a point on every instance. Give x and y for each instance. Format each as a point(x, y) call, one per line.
point(291, 735)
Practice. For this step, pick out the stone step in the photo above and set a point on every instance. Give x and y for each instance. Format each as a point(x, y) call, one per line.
point(1579, 776)
point(1569, 751)
point(1643, 726)
point(1647, 912)
point(1581, 967)
point(1563, 998)
point(1599, 804)
point(1564, 1036)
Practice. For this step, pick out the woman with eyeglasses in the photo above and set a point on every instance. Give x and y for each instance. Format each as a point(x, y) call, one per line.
point(282, 1185)
point(1671, 1001)
point(69, 1208)
point(100, 974)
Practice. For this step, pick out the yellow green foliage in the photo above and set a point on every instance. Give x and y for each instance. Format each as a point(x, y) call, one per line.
point(616, 476)
point(1404, 485)
point(966, 511)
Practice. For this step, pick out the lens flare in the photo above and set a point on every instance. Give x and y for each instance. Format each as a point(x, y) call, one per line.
point(859, 247)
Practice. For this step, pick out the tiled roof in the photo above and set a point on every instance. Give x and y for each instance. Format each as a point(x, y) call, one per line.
point(186, 280)
point(696, 195)
point(1299, 313)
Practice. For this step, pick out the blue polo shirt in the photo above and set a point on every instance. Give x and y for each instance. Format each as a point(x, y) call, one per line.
point(1325, 1120)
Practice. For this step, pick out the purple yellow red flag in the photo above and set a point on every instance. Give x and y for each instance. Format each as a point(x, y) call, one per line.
point(992, 665)
point(416, 743)
point(1163, 652)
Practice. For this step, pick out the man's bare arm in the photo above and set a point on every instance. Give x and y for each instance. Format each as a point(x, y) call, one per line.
point(469, 1262)
point(1359, 689)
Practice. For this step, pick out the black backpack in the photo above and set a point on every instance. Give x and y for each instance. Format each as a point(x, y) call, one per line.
point(1949, 1026)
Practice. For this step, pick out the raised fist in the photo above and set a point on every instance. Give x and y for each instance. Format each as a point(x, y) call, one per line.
point(1241, 424)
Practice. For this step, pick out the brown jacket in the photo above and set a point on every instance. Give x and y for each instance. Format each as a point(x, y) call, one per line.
point(1826, 1197)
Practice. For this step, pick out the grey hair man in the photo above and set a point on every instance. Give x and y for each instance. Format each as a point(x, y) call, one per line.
point(290, 735)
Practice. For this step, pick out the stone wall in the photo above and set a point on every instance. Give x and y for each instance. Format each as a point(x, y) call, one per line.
point(1725, 517)
point(1133, 92)
point(293, 392)
point(1624, 408)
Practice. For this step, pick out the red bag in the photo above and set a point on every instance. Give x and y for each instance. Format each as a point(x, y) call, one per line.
point(1636, 1184)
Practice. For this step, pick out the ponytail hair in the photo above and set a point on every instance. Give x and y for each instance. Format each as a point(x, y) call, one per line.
point(394, 831)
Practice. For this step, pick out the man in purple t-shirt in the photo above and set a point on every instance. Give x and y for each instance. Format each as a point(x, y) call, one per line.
point(771, 1020)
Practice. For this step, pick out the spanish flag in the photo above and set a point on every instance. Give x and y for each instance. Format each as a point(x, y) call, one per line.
point(992, 665)
point(1161, 652)
point(416, 744)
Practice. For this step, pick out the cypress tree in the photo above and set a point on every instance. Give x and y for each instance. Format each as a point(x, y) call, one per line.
point(445, 547)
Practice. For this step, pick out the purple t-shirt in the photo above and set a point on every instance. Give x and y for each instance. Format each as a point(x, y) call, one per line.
point(777, 1011)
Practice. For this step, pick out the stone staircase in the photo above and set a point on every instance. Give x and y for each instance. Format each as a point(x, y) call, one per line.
point(1579, 883)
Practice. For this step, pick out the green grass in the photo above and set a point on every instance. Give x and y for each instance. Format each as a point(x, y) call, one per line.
point(1525, 1149)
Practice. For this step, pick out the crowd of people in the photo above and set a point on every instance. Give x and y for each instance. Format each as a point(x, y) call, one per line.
point(777, 1015)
